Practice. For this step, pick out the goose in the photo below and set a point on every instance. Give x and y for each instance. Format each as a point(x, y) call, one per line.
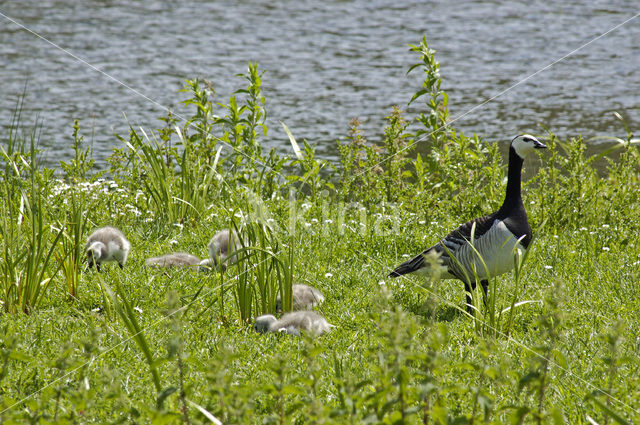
point(222, 245)
point(175, 259)
point(107, 244)
point(293, 323)
point(495, 236)
point(304, 297)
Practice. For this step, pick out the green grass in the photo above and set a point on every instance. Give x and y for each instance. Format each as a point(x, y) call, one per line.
point(142, 345)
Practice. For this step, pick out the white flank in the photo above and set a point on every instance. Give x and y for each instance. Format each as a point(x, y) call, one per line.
point(492, 254)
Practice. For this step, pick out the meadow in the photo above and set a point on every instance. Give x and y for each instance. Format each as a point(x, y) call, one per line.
point(556, 343)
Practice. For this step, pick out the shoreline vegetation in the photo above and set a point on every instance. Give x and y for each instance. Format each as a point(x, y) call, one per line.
point(556, 343)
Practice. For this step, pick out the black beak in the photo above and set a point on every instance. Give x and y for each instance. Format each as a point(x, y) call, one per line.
point(538, 145)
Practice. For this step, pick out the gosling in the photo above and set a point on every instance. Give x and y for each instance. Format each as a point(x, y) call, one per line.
point(222, 245)
point(107, 244)
point(304, 297)
point(175, 259)
point(293, 323)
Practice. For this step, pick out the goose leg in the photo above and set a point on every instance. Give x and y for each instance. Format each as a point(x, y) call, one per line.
point(97, 266)
point(485, 289)
point(468, 291)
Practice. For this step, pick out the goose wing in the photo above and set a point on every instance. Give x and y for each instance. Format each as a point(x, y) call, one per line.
point(448, 247)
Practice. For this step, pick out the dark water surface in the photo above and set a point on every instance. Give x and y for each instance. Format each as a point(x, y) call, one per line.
point(326, 61)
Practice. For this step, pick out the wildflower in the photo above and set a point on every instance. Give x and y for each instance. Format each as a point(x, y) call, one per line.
point(328, 275)
point(606, 248)
point(138, 309)
point(421, 222)
point(548, 267)
point(328, 221)
point(382, 282)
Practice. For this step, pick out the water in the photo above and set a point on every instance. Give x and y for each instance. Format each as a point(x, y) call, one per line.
point(325, 62)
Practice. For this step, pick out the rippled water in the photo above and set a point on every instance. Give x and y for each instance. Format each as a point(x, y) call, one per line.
point(325, 62)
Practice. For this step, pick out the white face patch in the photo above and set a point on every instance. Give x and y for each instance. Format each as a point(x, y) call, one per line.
point(524, 144)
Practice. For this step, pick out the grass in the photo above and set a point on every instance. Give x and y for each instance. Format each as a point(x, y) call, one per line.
point(557, 343)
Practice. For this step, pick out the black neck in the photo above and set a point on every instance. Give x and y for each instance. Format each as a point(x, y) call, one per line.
point(513, 198)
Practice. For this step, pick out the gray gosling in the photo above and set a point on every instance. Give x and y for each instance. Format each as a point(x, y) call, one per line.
point(293, 323)
point(222, 245)
point(107, 244)
point(175, 259)
point(305, 297)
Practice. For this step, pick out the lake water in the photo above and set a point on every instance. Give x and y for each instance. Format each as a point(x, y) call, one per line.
point(325, 62)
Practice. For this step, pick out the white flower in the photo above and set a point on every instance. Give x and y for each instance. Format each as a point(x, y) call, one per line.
point(548, 267)
point(328, 221)
point(381, 283)
point(173, 242)
point(314, 220)
point(422, 222)
point(138, 309)
point(606, 248)
point(605, 226)
point(328, 275)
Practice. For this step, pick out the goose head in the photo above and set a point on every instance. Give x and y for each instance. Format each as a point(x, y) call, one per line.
point(263, 323)
point(526, 143)
point(95, 252)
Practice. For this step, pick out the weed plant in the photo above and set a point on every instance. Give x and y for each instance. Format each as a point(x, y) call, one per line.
point(556, 342)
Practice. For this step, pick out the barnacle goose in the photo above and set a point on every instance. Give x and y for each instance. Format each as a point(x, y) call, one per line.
point(304, 297)
point(494, 236)
point(292, 323)
point(222, 245)
point(107, 244)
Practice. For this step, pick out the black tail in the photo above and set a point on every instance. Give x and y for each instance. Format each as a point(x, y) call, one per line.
point(409, 266)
